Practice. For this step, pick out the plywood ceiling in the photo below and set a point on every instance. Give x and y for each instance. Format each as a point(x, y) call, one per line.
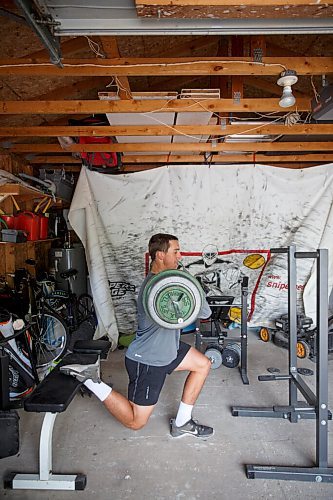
point(38, 98)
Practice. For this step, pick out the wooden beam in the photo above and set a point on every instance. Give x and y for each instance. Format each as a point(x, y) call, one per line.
point(66, 167)
point(110, 47)
point(237, 87)
point(167, 66)
point(241, 158)
point(133, 167)
point(145, 106)
point(54, 159)
point(143, 166)
point(152, 146)
point(158, 130)
point(225, 158)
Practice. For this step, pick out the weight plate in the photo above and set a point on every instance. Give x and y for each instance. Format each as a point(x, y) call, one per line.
point(215, 357)
point(272, 369)
point(231, 355)
point(173, 299)
point(305, 371)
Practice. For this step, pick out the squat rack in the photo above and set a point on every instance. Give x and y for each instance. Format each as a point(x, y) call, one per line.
point(316, 405)
point(217, 304)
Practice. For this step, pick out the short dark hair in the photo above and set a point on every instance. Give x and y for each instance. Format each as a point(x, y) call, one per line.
point(160, 242)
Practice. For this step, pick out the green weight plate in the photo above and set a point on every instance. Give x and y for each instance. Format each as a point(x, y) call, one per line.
point(173, 299)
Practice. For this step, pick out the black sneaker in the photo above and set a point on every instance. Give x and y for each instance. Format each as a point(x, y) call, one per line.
point(192, 428)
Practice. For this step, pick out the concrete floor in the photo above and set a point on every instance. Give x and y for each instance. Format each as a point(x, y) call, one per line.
point(149, 464)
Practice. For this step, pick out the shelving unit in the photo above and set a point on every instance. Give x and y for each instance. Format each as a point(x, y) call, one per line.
point(14, 255)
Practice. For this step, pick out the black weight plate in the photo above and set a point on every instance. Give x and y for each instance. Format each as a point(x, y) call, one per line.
point(305, 371)
point(272, 369)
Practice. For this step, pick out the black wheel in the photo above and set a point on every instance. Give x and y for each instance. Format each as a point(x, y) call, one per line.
point(86, 309)
point(49, 335)
point(280, 339)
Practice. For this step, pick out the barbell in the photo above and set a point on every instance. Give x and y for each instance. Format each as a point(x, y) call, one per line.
point(173, 299)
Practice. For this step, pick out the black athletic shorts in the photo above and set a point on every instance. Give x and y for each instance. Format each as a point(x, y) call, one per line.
point(146, 381)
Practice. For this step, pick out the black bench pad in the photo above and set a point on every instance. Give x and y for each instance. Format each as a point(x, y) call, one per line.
point(57, 390)
point(100, 347)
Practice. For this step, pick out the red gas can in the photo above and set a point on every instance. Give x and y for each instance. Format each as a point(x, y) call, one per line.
point(43, 227)
point(9, 220)
point(30, 223)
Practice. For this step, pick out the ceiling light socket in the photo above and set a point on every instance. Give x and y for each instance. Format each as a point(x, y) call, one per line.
point(288, 77)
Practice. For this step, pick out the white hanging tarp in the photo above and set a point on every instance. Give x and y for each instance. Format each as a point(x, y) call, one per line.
point(239, 210)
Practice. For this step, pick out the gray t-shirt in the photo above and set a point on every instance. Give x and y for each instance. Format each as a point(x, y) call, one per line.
point(155, 345)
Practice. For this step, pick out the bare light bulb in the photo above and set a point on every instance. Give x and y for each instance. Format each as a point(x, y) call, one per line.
point(287, 98)
point(286, 80)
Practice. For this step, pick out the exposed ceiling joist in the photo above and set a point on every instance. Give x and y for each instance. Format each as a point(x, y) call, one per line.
point(158, 130)
point(193, 62)
point(199, 147)
point(50, 160)
point(110, 47)
point(168, 66)
point(146, 106)
point(225, 158)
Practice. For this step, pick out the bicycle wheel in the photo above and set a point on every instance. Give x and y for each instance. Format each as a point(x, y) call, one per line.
point(50, 338)
point(86, 309)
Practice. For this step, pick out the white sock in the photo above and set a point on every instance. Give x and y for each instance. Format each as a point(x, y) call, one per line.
point(184, 414)
point(100, 389)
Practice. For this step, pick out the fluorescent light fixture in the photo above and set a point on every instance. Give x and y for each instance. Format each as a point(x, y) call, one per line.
point(234, 138)
point(248, 138)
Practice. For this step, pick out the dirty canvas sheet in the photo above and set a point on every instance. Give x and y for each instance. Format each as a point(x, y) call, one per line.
point(237, 212)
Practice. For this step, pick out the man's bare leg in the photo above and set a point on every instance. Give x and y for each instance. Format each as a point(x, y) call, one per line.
point(199, 366)
point(129, 414)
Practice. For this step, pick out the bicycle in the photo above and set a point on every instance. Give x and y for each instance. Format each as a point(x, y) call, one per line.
point(48, 331)
point(74, 309)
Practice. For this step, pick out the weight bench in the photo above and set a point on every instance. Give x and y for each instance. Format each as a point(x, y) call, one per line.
point(53, 396)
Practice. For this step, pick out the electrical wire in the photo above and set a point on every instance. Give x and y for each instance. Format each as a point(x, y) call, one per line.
point(316, 94)
point(94, 46)
point(147, 65)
